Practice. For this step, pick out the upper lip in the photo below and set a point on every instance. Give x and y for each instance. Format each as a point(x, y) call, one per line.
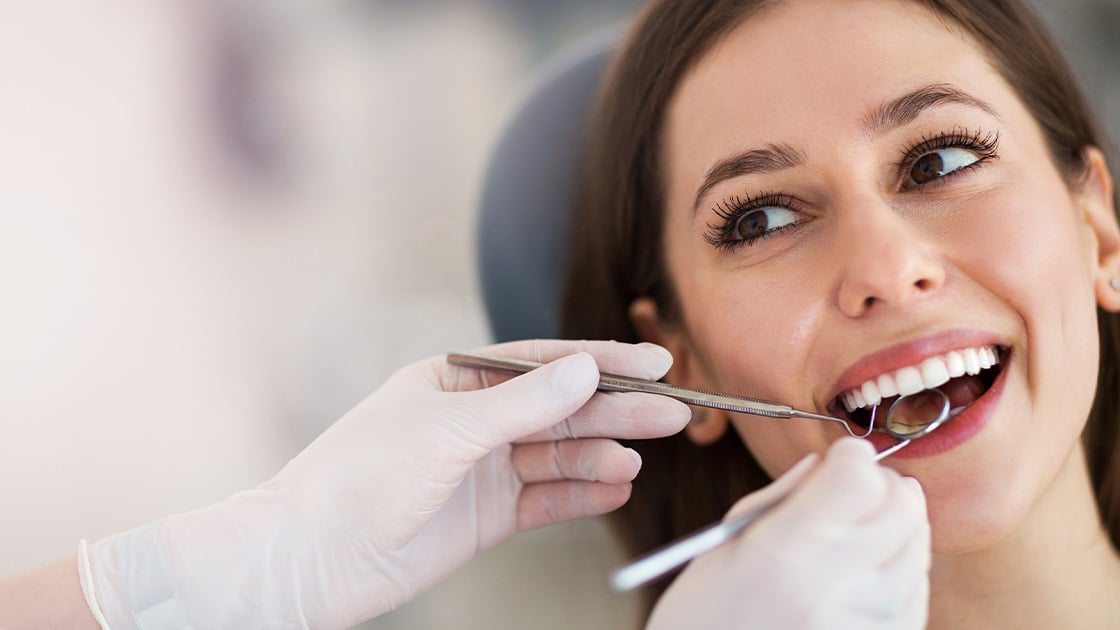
point(908, 353)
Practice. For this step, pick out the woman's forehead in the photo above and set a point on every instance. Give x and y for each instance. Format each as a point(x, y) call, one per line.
point(803, 68)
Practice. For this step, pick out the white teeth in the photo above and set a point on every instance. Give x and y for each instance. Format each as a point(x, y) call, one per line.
point(909, 381)
point(955, 363)
point(931, 372)
point(850, 401)
point(870, 393)
point(934, 372)
point(992, 355)
point(971, 361)
point(887, 386)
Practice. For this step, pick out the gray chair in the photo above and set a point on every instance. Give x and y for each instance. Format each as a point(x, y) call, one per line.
point(527, 193)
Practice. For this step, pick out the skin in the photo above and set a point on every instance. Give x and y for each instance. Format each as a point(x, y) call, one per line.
point(1007, 249)
point(47, 597)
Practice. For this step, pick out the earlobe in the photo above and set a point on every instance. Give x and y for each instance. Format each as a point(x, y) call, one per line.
point(1099, 206)
point(707, 425)
point(1108, 294)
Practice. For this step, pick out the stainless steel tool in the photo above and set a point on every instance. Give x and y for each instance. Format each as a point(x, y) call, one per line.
point(700, 398)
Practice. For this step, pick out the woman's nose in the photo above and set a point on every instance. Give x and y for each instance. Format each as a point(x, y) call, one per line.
point(885, 262)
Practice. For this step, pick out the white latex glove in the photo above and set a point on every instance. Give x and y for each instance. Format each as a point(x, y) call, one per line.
point(848, 548)
point(409, 485)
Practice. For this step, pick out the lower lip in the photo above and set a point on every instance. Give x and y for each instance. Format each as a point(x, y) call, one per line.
point(957, 430)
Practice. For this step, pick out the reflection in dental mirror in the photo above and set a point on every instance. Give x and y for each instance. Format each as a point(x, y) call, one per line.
point(917, 415)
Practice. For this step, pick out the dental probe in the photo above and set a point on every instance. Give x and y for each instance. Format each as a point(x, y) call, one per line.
point(614, 383)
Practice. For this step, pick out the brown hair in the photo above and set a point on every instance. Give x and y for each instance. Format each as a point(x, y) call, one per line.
point(615, 252)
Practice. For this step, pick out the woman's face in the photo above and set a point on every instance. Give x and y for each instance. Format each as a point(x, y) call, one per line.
point(854, 195)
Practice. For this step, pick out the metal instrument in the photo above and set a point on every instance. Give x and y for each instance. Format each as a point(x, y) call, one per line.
point(701, 398)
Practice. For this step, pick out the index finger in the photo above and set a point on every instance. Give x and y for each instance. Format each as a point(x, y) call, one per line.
point(619, 415)
point(641, 360)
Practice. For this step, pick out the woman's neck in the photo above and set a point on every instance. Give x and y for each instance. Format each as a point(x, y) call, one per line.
point(1058, 570)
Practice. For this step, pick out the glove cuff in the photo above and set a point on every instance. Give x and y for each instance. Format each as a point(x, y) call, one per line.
point(127, 581)
point(86, 580)
point(229, 565)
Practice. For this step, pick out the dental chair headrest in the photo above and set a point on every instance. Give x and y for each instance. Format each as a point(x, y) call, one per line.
point(528, 191)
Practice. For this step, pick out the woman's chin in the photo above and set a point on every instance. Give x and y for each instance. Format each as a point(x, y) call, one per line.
point(962, 529)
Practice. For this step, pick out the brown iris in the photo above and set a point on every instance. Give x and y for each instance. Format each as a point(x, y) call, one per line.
point(752, 226)
point(928, 168)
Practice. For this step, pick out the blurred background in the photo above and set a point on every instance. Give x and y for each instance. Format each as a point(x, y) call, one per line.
point(222, 224)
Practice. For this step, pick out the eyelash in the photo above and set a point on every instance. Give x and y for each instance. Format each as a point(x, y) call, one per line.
point(984, 145)
point(721, 234)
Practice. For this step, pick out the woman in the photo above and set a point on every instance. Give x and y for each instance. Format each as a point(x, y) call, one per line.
point(815, 201)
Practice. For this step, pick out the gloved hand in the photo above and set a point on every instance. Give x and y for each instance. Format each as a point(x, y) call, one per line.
point(848, 548)
point(409, 485)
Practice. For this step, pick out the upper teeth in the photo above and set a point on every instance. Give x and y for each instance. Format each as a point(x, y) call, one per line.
point(912, 379)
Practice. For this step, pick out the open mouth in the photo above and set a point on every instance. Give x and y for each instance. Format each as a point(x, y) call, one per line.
point(964, 375)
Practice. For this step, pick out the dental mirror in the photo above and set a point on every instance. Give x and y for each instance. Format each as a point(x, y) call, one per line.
point(915, 415)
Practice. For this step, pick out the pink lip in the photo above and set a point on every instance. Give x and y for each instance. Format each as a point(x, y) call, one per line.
point(909, 353)
point(957, 429)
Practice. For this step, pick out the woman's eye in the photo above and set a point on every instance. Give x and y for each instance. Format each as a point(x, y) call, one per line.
point(759, 223)
point(940, 163)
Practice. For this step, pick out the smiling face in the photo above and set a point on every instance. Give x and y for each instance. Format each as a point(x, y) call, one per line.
point(856, 201)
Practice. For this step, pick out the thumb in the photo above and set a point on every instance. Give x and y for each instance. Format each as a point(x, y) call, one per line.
point(779, 489)
point(528, 403)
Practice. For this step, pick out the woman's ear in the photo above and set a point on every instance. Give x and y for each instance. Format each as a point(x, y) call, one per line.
point(1098, 204)
point(707, 425)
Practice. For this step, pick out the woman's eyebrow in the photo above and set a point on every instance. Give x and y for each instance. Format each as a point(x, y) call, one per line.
point(906, 108)
point(774, 157)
